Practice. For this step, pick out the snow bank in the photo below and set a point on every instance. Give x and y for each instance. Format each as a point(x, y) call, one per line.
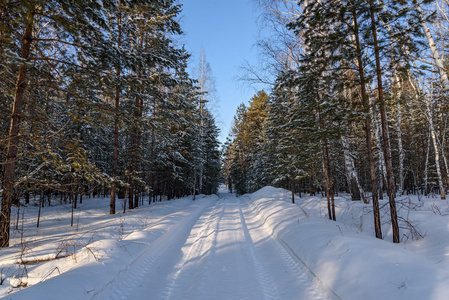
point(353, 265)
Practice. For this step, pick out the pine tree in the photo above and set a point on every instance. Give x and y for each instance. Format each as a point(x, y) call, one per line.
point(65, 26)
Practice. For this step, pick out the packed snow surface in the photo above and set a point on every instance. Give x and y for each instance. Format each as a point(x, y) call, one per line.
point(255, 246)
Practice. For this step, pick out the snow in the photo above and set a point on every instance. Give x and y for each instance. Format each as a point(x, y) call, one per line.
point(256, 246)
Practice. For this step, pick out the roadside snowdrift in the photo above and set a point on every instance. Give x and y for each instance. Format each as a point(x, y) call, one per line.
point(353, 264)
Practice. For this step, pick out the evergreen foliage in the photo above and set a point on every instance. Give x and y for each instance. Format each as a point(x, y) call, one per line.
point(352, 107)
point(96, 99)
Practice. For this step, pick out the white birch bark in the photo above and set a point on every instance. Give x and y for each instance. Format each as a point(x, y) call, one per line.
point(435, 146)
point(377, 133)
point(401, 151)
point(432, 133)
point(426, 167)
point(399, 133)
point(435, 53)
point(446, 166)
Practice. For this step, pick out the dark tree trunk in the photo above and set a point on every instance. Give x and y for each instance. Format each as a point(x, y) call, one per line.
point(293, 190)
point(130, 199)
point(72, 200)
point(331, 182)
point(326, 178)
point(354, 189)
point(41, 200)
point(385, 134)
point(327, 175)
point(117, 108)
point(368, 140)
point(27, 197)
point(13, 136)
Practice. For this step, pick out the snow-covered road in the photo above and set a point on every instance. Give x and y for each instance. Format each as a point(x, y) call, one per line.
point(216, 250)
point(256, 246)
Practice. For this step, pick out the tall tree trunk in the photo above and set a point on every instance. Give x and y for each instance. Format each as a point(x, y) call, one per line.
point(368, 140)
point(331, 182)
point(397, 95)
point(292, 181)
point(326, 178)
point(377, 126)
point(128, 193)
point(130, 176)
point(435, 54)
point(435, 147)
point(385, 134)
point(73, 201)
point(351, 174)
point(136, 145)
point(327, 175)
point(117, 107)
point(426, 168)
point(400, 147)
point(13, 136)
point(446, 166)
point(138, 137)
point(41, 200)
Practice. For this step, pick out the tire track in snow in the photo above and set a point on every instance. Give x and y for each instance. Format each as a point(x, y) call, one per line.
point(133, 273)
point(305, 274)
point(266, 282)
point(314, 287)
point(197, 255)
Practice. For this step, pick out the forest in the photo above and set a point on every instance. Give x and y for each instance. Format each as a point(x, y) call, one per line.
point(114, 183)
point(358, 103)
point(96, 100)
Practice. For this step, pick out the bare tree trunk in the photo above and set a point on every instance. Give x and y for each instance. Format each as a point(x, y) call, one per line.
point(377, 126)
point(128, 193)
point(401, 151)
point(368, 140)
point(397, 94)
point(446, 166)
point(426, 167)
point(130, 181)
point(385, 134)
point(117, 107)
point(331, 183)
point(13, 136)
point(40, 207)
point(124, 200)
point(136, 144)
point(435, 54)
point(194, 184)
point(326, 177)
point(292, 181)
point(202, 82)
point(351, 174)
point(139, 114)
point(435, 147)
point(73, 203)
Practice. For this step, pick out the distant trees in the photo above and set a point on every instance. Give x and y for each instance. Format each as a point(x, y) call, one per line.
point(207, 161)
point(243, 163)
point(96, 99)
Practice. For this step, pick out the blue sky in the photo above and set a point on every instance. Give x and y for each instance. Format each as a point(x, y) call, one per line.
point(227, 30)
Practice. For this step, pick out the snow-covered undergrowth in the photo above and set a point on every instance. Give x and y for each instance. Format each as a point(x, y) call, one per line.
point(101, 250)
point(347, 257)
